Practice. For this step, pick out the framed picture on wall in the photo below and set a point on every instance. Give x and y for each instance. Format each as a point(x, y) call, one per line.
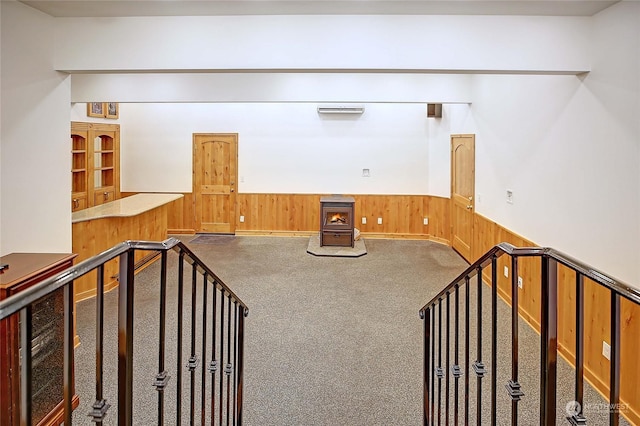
point(111, 109)
point(95, 109)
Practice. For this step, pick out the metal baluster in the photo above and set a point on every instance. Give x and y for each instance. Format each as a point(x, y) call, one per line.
point(100, 406)
point(467, 350)
point(203, 371)
point(179, 339)
point(426, 368)
point(494, 337)
point(213, 365)
point(193, 359)
point(240, 369)
point(235, 358)
point(446, 371)
point(162, 378)
point(125, 338)
point(433, 363)
point(455, 370)
point(513, 387)
point(229, 367)
point(439, 371)
point(221, 396)
point(578, 419)
point(478, 366)
point(68, 351)
point(26, 365)
point(614, 373)
point(549, 341)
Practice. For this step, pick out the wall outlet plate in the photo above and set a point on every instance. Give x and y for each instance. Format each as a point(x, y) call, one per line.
point(379, 221)
point(606, 350)
point(241, 219)
point(364, 220)
point(520, 282)
point(425, 221)
point(506, 271)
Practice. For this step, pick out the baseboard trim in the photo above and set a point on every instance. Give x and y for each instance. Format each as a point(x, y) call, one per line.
point(79, 297)
point(258, 233)
point(385, 236)
point(370, 235)
point(178, 231)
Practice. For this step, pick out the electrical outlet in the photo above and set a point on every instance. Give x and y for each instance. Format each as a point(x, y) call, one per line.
point(606, 350)
point(509, 196)
point(506, 271)
point(366, 173)
point(520, 282)
point(241, 219)
point(364, 220)
point(425, 221)
point(379, 221)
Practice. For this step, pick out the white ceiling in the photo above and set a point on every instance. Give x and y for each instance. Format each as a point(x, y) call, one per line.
point(112, 8)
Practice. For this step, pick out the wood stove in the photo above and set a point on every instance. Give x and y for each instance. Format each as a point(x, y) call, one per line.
point(336, 221)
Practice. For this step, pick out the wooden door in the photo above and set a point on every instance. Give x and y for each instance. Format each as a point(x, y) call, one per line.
point(462, 193)
point(215, 172)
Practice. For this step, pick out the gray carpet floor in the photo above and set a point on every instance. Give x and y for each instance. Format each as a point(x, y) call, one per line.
point(329, 340)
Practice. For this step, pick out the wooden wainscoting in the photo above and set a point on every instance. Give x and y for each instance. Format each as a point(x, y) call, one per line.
point(597, 315)
point(92, 237)
point(298, 215)
point(181, 216)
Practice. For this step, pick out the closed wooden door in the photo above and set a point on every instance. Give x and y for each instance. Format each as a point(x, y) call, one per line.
point(215, 169)
point(462, 193)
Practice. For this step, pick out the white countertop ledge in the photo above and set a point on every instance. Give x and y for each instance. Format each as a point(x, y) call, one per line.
point(124, 207)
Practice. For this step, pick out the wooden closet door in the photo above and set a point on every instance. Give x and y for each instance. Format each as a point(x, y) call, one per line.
point(462, 193)
point(215, 165)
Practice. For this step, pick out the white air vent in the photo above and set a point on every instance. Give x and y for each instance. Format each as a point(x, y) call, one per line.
point(340, 109)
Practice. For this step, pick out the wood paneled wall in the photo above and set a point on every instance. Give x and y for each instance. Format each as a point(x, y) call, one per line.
point(299, 214)
point(92, 237)
point(597, 302)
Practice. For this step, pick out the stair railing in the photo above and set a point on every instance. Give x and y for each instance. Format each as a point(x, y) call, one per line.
point(221, 357)
point(437, 402)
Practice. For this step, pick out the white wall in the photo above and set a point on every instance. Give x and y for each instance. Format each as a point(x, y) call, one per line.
point(566, 145)
point(376, 42)
point(569, 148)
point(283, 147)
point(35, 184)
point(272, 87)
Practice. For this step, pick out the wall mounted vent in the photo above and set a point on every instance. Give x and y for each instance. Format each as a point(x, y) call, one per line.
point(341, 109)
point(434, 110)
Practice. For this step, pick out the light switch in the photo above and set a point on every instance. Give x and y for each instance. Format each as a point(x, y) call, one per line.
point(241, 219)
point(379, 221)
point(364, 220)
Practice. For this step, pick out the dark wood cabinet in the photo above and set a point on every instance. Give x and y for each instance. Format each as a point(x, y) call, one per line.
point(25, 270)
